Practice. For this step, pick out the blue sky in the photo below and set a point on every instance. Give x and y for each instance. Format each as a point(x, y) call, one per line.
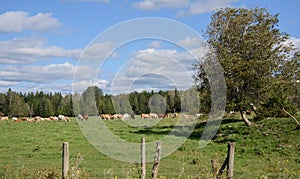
point(49, 45)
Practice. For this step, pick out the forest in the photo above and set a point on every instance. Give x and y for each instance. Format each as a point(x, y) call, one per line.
point(39, 103)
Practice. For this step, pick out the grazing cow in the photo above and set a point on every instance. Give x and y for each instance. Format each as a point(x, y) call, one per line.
point(117, 116)
point(38, 119)
point(24, 119)
point(145, 116)
point(67, 119)
point(80, 117)
point(47, 119)
point(105, 116)
point(175, 115)
point(163, 116)
point(153, 116)
point(125, 116)
point(85, 117)
point(3, 118)
point(248, 112)
point(63, 118)
point(14, 118)
point(53, 118)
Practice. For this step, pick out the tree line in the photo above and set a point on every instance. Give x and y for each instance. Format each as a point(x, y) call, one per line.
point(92, 101)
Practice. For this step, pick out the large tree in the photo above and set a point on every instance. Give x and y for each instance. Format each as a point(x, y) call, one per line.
point(252, 51)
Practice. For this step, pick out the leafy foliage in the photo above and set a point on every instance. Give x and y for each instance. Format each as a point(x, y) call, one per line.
point(254, 55)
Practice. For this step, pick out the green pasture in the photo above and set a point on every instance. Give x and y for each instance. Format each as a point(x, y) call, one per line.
point(271, 149)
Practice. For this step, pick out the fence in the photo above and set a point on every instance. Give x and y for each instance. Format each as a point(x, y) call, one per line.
point(228, 162)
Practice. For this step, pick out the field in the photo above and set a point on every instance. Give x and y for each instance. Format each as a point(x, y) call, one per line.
point(270, 149)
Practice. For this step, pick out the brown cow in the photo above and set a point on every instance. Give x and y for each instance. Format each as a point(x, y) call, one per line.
point(145, 116)
point(163, 116)
point(105, 116)
point(85, 117)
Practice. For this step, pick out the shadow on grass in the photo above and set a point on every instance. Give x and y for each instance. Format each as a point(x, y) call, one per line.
point(182, 131)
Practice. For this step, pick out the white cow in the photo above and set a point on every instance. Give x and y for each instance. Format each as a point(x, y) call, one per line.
point(153, 115)
point(125, 116)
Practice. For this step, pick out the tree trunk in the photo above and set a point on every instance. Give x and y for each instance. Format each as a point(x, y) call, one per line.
point(244, 117)
point(254, 108)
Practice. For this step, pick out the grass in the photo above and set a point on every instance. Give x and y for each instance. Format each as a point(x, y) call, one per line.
point(271, 149)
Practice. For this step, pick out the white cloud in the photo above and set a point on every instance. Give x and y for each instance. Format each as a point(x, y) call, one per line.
point(204, 6)
point(155, 44)
point(295, 41)
point(8, 83)
point(186, 7)
point(189, 42)
point(156, 69)
point(99, 51)
point(31, 49)
point(84, 84)
point(37, 74)
point(17, 21)
point(158, 4)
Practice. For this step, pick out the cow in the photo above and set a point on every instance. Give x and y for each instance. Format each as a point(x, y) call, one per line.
point(175, 115)
point(117, 116)
point(153, 116)
point(80, 117)
point(47, 119)
point(125, 116)
point(3, 118)
point(105, 116)
point(67, 119)
point(63, 118)
point(145, 116)
point(54, 118)
point(85, 117)
point(163, 116)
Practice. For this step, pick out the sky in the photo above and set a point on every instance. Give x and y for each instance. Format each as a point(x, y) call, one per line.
point(120, 46)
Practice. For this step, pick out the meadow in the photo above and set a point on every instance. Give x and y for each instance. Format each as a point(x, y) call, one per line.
point(271, 149)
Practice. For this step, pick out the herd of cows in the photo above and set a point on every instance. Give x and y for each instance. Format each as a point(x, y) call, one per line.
point(36, 119)
point(102, 116)
point(143, 116)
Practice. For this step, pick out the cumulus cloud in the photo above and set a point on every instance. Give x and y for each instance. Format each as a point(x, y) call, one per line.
point(84, 84)
point(191, 42)
point(204, 6)
point(17, 21)
point(158, 4)
point(156, 69)
point(37, 74)
point(99, 51)
point(155, 44)
point(186, 7)
point(31, 49)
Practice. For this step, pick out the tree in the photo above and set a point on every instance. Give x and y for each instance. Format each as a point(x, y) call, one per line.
point(251, 49)
point(89, 100)
point(16, 104)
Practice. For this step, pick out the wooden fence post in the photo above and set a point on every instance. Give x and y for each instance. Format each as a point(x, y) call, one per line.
point(213, 168)
point(65, 160)
point(156, 161)
point(230, 154)
point(143, 158)
point(229, 161)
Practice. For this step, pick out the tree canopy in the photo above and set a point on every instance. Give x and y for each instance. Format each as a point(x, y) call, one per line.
point(254, 55)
